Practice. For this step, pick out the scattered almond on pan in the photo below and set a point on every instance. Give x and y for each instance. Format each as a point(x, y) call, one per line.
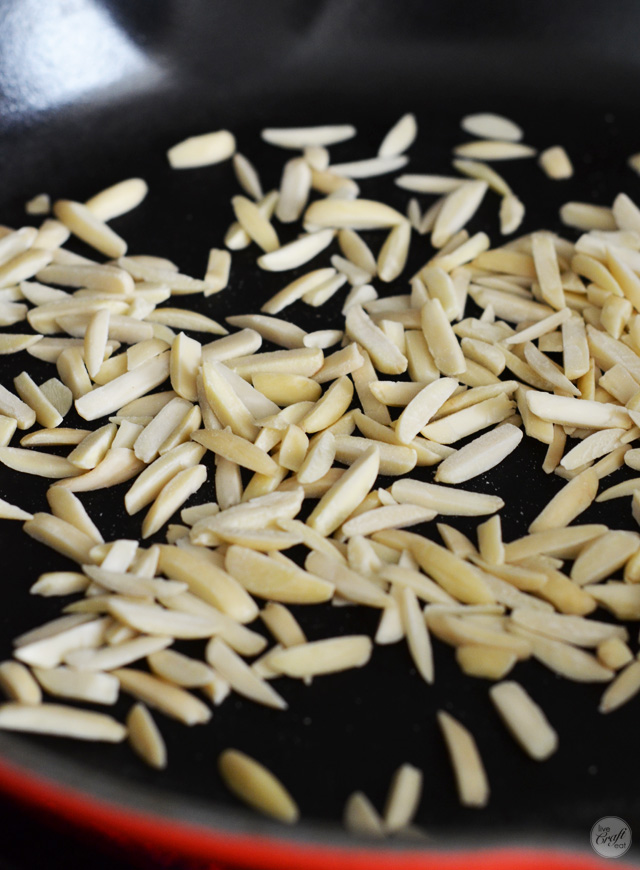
point(406, 380)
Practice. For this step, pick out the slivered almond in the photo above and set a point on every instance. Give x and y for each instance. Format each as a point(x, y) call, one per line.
point(387, 517)
point(344, 496)
point(12, 406)
point(568, 503)
point(385, 355)
point(18, 684)
point(479, 455)
point(422, 408)
point(61, 721)
point(455, 576)
point(277, 581)
point(257, 786)
point(458, 208)
point(223, 442)
point(66, 682)
point(417, 633)
point(395, 459)
point(210, 583)
point(622, 689)
point(445, 500)
point(359, 214)
point(296, 253)
point(393, 254)
point(323, 656)
point(306, 137)
point(569, 628)
point(584, 216)
point(114, 656)
point(360, 816)
point(348, 583)
point(487, 662)
point(172, 497)
point(604, 556)
point(471, 779)
point(203, 150)
point(145, 738)
point(564, 659)
point(90, 229)
point(458, 631)
point(524, 719)
point(494, 149)
point(170, 700)
point(131, 385)
point(10, 511)
point(460, 424)
point(49, 650)
point(240, 676)
point(547, 269)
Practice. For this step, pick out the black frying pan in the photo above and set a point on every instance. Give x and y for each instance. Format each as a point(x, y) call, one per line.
point(94, 91)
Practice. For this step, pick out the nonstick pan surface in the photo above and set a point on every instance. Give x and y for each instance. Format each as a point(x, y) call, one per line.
point(93, 92)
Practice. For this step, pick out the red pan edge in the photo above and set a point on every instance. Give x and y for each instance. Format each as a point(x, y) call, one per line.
point(145, 833)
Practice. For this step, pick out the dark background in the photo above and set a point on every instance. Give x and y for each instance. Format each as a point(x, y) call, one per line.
point(92, 92)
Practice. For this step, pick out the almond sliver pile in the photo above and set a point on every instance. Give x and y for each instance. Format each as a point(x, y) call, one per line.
point(429, 379)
